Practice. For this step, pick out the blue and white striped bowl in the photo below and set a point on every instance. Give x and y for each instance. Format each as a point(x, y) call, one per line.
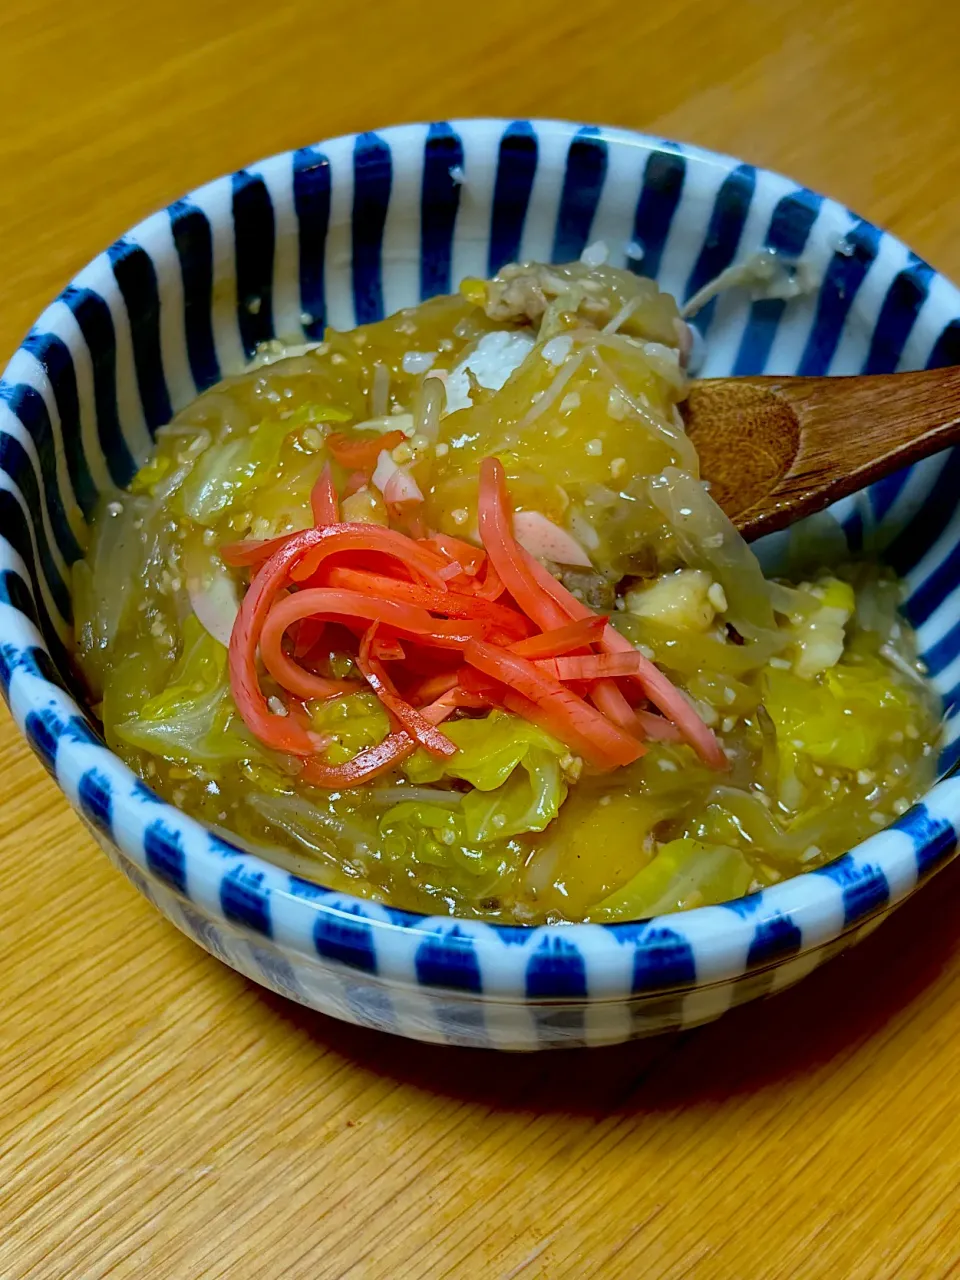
point(343, 233)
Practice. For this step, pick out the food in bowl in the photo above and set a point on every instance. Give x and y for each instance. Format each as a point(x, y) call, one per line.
point(439, 612)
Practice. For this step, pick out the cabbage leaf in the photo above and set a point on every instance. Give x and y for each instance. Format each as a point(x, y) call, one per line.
point(489, 751)
point(528, 801)
point(518, 785)
point(193, 717)
point(843, 718)
point(353, 722)
point(222, 475)
point(682, 874)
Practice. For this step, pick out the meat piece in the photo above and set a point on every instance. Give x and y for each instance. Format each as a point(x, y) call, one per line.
point(519, 293)
point(596, 591)
point(532, 293)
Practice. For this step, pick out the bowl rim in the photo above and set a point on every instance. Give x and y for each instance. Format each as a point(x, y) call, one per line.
point(481, 958)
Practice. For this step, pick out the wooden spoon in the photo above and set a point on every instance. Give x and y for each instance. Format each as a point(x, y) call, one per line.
point(775, 449)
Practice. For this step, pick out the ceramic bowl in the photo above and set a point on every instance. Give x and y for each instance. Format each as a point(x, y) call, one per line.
point(344, 232)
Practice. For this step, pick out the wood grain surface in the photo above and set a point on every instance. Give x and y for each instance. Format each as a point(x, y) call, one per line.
point(775, 449)
point(162, 1118)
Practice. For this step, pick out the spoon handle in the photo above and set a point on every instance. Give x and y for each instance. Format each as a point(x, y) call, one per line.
point(778, 448)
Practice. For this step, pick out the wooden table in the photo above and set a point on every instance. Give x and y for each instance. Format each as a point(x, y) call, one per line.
point(161, 1117)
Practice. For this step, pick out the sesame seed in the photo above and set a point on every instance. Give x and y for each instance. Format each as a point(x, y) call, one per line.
point(593, 448)
point(595, 254)
point(460, 516)
point(441, 450)
point(572, 766)
point(418, 361)
point(616, 405)
point(557, 349)
point(617, 467)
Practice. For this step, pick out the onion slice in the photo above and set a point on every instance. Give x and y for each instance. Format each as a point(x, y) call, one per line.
point(213, 595)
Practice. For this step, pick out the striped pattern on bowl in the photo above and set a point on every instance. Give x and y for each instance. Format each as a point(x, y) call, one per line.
point(345, 232)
